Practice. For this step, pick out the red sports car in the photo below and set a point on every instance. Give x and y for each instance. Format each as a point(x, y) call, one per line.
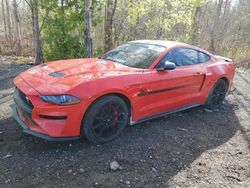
point(132, 83)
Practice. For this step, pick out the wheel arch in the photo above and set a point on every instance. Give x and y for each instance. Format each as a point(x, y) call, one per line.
point(209, 104)
point(211, 84)
point(225, 79)
point(123, 97)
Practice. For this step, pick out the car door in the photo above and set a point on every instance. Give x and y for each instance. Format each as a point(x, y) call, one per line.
point(173, 89)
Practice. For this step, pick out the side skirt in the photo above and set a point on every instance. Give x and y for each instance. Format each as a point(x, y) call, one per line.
point(164, 114)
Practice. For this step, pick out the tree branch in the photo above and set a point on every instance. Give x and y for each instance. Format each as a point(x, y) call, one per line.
point(28, 2)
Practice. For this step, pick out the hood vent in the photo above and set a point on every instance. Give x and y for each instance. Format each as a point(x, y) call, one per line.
point(57, 74)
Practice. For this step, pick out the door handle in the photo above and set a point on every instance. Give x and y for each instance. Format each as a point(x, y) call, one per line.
point(199, 73)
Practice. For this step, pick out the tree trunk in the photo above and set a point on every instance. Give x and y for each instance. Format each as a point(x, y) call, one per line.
point(212, 46)
point(195, 28)
point(223, 25)
point(88, 28)
point(9, 24)
point(4, 21)
point(162, 22)
point(36, 32)
point(17, 44)
point(108, 27)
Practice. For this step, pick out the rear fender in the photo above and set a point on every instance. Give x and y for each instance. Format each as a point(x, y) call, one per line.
point(219, 69)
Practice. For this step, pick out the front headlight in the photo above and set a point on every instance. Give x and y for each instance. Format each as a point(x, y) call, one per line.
point(60, 99)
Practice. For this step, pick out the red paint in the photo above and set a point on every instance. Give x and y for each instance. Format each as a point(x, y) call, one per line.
point(89, 79)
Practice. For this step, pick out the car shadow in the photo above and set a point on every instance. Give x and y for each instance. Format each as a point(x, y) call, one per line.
point(150, 153)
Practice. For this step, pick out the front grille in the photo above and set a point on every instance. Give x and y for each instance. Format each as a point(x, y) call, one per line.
point(23, 103)
point(24, 98)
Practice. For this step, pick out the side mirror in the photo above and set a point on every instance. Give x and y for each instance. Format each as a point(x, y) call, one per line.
point(167, 66)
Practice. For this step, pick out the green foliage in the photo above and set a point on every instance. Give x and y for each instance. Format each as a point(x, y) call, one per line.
point(63, 26)
point(62, 31)
point(136, 10)
point(174, 17)
point(98, 52)
point(197, 3)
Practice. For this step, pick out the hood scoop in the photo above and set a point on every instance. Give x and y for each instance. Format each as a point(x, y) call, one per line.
point(57, 74)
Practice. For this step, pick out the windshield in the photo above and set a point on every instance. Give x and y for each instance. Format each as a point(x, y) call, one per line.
point(136, 55)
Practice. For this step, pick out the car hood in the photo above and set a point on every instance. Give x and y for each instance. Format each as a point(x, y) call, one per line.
point(60, 76)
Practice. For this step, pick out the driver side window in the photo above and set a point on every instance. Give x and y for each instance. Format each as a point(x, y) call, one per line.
point(181, 57)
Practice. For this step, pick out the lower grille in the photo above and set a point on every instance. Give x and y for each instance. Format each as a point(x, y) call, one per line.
point(23, 103)
point(24, 98)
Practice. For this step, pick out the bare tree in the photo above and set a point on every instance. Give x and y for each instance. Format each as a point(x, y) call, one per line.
point(88, 28)
point(224, 24)
point(36, 31)
point(195, 27)
point(17, 25)
point(212, 45)
point(162, 22)
point(9, 24)
point(4, 21)
point(109, 15)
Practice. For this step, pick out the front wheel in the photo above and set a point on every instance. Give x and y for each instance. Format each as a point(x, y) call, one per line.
point(105, 119)
point(217, 94)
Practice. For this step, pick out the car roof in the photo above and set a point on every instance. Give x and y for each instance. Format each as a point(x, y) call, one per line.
point(164, 43)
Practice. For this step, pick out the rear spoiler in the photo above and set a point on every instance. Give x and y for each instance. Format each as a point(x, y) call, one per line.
point(224, 58)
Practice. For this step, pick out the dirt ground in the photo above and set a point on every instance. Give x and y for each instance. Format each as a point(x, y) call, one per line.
point(194, 148)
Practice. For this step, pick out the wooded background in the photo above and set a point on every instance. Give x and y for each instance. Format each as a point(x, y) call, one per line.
point(61, 29)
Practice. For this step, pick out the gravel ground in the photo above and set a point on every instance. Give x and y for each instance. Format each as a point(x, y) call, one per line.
point(194, 148)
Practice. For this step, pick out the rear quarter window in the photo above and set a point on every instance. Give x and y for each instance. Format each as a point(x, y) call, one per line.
point(203, 58)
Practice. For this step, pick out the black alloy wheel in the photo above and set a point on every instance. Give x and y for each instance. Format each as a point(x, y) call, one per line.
point(217, 95)
point(105, 119)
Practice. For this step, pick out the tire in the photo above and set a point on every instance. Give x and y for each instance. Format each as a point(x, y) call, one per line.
point(217, 94)
point(105, 120)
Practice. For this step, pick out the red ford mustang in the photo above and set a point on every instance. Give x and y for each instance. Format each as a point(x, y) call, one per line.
point(132, 83)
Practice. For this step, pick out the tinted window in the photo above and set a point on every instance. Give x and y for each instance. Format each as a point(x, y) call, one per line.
point(181, 57)
point(136, 55)
point(203, 58)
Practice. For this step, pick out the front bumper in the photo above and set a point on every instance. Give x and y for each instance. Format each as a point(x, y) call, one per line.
point(46, 120)
point(27, 130)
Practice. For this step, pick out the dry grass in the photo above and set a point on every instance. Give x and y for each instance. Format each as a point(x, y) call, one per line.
point(245, 64)
point(17, 59)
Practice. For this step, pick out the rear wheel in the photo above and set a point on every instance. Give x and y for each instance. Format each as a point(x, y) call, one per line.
point(105, 119)
point(217, 94)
